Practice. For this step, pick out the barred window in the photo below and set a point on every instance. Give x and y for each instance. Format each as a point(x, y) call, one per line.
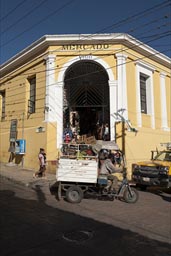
point(32, 97)
point(143, 92)
point(2, 105)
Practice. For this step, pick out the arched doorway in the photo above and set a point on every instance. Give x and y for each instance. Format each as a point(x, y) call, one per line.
point(86, 106)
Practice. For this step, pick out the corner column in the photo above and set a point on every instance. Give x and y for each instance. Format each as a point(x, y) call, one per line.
point(113, 106)
point(122, 83)
point(164, 122)
point(59, 116)
point(50, 110)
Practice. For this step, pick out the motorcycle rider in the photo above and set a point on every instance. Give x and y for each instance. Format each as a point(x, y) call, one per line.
point(106, 168)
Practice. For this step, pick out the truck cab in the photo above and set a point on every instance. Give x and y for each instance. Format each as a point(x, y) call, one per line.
point(155, 172)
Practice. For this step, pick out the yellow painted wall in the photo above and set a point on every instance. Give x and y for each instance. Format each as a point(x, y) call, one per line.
point(137, 146)
point(17, 95)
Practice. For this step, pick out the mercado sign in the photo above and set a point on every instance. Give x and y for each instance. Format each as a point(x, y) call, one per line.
point(77, 47)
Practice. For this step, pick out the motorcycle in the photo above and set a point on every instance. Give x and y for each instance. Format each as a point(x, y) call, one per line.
point(78, 177)
point(102, 190)
point(74, 193)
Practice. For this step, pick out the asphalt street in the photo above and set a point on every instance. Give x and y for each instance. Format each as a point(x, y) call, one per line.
point(33, 222)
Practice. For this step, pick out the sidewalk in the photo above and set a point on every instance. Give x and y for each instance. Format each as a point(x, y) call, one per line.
point(20, 175)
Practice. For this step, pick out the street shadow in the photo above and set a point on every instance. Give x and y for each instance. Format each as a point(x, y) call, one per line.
point(164, 193)
point(31, 227)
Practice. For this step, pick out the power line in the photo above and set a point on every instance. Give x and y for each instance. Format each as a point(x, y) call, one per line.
point(123, 49)
point(139, 15)
point(15, 8)
point(162, 5)
point(91, 35)
point(128, 31)
point(140, 43)
point(136, 28)
point(23, 17)
point(153, 35)
point(95, 72)
point(37, 23)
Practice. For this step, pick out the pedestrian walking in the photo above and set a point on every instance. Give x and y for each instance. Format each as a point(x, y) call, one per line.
point(42, 163)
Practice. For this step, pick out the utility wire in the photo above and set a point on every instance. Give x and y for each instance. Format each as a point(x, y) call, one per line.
point(84, 75)
point(37, 23)
point(23, 17)
point(145, 24)
point(131, 31)
point(123, 49)
point(138, 15)
point(113, 25)
point(13, 10)
point(59, 59)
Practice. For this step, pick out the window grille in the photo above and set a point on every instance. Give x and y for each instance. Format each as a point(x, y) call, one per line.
point(32, 98)
point(143, 93)
point(31, 106)
point(3, 100)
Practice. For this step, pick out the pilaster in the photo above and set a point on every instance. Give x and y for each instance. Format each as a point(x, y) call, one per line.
point(164, 122)
point(122, 83)
point(50, 111)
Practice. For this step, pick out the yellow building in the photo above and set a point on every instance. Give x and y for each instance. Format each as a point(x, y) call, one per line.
point(80, 82)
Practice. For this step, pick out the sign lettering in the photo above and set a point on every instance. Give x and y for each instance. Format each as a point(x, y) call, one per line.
point(78, 47)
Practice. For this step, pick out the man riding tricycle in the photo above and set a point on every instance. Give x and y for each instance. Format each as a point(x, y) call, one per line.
point(89, 171)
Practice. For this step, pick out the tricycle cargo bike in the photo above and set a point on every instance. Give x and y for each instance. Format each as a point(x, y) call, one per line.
point(77, 175)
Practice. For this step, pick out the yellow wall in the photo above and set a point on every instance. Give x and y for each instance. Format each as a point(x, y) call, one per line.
point(137, 146)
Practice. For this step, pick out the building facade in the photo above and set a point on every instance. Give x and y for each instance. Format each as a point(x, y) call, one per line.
point(82, 82)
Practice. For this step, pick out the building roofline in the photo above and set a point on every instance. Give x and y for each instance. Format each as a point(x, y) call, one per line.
point(50, 40)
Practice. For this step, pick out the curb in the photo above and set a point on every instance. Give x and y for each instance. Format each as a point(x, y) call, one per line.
point(29, 183)
point(14, 180)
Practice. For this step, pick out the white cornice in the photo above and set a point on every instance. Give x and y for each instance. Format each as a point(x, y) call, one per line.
point(145, 65)
point(48, 40)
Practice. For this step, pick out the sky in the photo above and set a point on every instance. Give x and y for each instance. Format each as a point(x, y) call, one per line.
point(24, 21)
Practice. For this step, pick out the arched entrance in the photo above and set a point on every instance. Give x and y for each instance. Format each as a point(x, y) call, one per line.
point(86, 106)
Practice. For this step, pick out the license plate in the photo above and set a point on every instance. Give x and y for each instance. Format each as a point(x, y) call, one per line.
point(146, 179)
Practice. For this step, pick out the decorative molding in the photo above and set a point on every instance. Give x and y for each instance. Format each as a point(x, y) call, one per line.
point(145, 65)
point(58, 40)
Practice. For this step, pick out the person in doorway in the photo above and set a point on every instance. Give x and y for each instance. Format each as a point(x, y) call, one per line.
point(106, 132)
point(42, 163)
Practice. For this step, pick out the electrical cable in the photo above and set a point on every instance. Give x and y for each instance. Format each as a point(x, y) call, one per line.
point(15, 8)
point(122, 21)
point(140, 43)
point(37, 23)
point(23, 17)
point(88, 74)
point(95, 72)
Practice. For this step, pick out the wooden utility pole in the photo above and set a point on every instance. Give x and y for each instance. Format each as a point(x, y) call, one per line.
point(123, 137)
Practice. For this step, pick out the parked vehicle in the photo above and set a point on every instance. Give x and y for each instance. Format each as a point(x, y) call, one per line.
point(78, 176)
point(156, 172)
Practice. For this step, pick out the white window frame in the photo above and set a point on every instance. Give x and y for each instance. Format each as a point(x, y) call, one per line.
point(147, 70)
point(164, 121)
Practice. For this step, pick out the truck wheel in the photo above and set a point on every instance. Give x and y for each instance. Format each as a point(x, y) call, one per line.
point(74, 194)
point(58, 196)
point(131, 198)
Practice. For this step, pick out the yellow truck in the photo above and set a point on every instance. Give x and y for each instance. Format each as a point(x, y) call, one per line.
point(155, 172)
